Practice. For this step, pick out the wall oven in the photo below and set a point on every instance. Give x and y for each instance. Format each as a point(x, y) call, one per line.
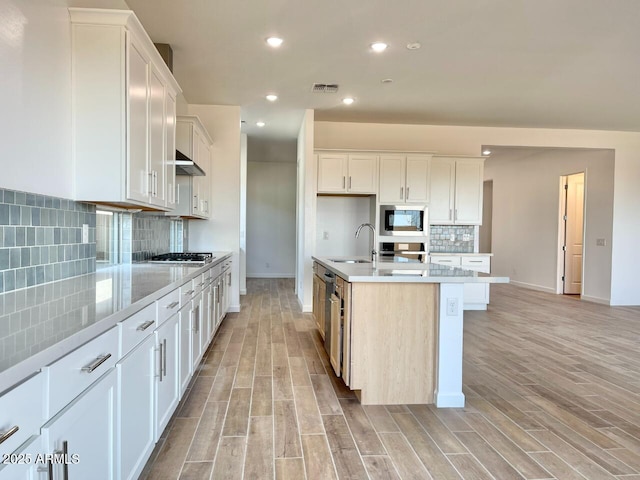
point(404, 220)
point(409, 252)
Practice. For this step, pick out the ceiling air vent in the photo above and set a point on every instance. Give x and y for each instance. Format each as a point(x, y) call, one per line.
point(324, 88)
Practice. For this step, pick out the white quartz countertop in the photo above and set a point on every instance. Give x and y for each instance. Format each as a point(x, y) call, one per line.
point(404, 272)
point(41, 324)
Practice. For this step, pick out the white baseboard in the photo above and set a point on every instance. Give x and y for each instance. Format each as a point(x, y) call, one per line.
point(603, 301)
point(449, 400)
point(532, 286)
point(304, 308)
point(234, 308)
point(271, 275)
point(243, 291)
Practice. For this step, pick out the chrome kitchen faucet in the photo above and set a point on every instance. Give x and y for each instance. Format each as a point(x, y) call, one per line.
point(373, 241)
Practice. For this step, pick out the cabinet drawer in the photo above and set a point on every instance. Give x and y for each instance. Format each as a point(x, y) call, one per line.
point(21, 413)
point(136, 328)
point(187, 291)
point(168, 305)
point(198, 284)
point(451, 260)
point(70, 375)
point(480, 264)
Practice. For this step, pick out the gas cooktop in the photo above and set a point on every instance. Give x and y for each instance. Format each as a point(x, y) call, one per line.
point(186, 257)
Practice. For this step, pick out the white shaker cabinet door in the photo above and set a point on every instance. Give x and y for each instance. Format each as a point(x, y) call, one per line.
point(442, 186)
point(332, 173)
point(157, 170)
point(362, 174)
point(392, 179)
point(468, 196)
point(136, 379)
point(417, 183)
point(139, 184)
point(166, 384)
point(85, 431)
point(170, 148)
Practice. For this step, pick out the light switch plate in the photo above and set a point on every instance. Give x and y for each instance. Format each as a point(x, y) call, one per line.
point(601, 242)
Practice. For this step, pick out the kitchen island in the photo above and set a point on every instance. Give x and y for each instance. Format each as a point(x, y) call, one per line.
point(401, 330)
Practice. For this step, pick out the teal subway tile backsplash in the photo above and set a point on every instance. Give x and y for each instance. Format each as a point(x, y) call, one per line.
point(41, 239)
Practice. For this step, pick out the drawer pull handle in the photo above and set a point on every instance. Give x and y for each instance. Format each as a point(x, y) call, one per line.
point(173, 305)
point(164, 357)
point(5, 436)
point(444, 261)
point(145, 325)
point(475, 261)
point(189, 292)
point(65, 465)
point(98, 361)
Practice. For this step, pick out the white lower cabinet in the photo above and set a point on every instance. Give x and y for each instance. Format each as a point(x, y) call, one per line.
point(185, 347)
point(84, 433)
point(24, 464)
point(166, 392)
point(135, 434)
point(196, 332)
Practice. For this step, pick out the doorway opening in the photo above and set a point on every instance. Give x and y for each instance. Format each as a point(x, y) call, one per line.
point(571, 238)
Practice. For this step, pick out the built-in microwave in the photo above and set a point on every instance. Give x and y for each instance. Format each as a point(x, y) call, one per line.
point(404, 252)
point(404, 220)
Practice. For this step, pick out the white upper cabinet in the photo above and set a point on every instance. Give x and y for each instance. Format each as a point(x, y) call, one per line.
point(123, 114)
point(404, 178)
point(456, 191)
point(347, 173)
point(194, 193)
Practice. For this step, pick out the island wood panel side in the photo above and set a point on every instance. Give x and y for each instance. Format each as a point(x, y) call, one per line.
point(393, 343)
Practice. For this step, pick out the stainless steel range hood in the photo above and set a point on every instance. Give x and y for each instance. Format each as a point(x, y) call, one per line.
point(186, 166)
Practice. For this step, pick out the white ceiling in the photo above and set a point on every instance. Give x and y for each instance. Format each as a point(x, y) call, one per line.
point(520, 63)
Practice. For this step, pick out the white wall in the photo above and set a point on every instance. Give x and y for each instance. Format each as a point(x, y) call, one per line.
point(271, 219)
point(339, 217)
point(526, 209)
point(222, 230)
point(469, 141)
point(305, 212)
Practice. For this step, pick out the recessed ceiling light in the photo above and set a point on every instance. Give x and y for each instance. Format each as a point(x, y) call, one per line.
point(387, 80)
point(348, 100)
point(379, 47)
point(486, 152)
point(274, 42)
point(260, 124)
point(413, 46)
point(272, 97)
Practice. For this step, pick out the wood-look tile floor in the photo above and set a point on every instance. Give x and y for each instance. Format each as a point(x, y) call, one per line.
point(552, 386)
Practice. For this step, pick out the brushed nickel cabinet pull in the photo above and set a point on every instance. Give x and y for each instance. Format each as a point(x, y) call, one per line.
point(143, 326)
point(173, 305)
point(349, 182)
point(407, 193)
point(450, 213)
point(5, 436)
point(48, 469)
point(164, 358)
point(189, 292)
point(455, 217)
point(402, 192)
point(95, 364)
point(160, 347)
point(65, 464)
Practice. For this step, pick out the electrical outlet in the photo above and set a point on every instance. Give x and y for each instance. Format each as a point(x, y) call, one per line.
point(452, 238)
point(601, 242)
point(85, 233)
point(325, 235)
point(452, 307)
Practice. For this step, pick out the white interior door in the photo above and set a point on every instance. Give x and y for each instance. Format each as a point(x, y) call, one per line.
point(573, 234)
